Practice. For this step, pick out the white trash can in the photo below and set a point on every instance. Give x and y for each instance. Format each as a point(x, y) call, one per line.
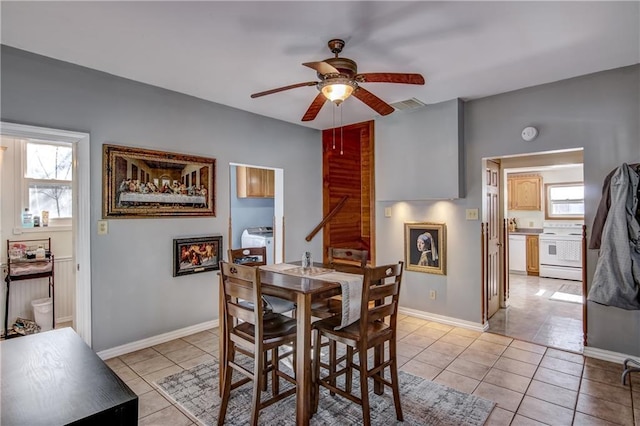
point(42, 313)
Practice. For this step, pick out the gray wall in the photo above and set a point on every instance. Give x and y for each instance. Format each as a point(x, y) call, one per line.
point(599, 112)
point(435, 130)
point(134, 295)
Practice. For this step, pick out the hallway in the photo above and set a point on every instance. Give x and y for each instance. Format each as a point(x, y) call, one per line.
point(533, 317)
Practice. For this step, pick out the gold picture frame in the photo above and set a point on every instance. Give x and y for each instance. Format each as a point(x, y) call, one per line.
point(139, 183)
point(425, 247)
point(196, 254)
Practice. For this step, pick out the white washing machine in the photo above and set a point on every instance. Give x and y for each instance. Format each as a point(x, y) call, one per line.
point(259, 236)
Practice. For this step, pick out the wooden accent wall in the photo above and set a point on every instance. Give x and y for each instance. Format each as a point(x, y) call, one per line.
point(349, 173)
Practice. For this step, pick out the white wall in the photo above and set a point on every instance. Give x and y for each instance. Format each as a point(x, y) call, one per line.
point(61, 241)
point(535, 218)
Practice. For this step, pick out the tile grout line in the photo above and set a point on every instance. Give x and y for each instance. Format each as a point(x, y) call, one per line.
point(525, 391)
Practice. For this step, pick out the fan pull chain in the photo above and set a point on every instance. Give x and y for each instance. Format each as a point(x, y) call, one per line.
point(334, 127)
point(341, 127)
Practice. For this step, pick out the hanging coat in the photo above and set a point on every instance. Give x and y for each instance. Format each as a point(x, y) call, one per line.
point(603, 209)
point(616, 281)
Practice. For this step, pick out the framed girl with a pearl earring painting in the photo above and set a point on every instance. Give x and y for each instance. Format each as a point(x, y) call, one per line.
point(425, 247)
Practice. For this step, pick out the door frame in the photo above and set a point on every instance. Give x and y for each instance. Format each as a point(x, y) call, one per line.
point(504, 271)
point(81, 213)
point(278, 208)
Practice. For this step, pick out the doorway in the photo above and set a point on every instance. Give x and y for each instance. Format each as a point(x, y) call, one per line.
point(261, 208)
point(80, 228)
point(536, 307)
point(348, 192)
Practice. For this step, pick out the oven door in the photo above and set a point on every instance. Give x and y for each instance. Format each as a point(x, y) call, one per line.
point(561, 258)
point(561, 251)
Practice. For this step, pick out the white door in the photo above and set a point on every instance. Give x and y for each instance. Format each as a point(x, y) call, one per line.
point(492, 215)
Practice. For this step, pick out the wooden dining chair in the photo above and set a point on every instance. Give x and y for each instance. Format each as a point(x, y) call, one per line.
point(250, 330)
point(377, 325)
point(336, 257)
point(340, 259)
point(257, 256)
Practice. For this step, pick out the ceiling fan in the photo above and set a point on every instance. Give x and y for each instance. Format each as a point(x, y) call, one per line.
point(339, 79)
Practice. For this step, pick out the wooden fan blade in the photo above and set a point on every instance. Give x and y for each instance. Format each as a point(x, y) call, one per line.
point(390, 77)
point(282, 89)
point(314, 108)
point(322, 67)
point(374, 102)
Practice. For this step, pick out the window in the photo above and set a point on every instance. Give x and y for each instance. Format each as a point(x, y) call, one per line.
point(48, 178)
point(564, 201)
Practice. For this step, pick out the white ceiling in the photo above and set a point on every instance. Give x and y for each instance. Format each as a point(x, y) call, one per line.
point(224, 51)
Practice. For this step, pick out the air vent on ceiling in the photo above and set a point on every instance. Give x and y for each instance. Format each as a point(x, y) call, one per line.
point(412, 103)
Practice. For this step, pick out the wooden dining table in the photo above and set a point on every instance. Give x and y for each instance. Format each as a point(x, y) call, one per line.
point(303, 291)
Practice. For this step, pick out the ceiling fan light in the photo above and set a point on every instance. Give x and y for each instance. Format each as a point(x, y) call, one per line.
point(337, 90)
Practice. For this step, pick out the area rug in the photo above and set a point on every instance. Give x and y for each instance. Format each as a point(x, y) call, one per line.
point(574, 288)
point(423, 403)
point(566, 297)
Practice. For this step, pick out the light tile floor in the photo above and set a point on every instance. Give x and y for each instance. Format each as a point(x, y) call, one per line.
point(533, 317)
point(531, 384)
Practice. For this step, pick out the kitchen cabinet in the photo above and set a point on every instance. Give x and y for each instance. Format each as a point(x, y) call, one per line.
point(517, 254)
point(533, 255)
point(524, 192)
point(255, 183)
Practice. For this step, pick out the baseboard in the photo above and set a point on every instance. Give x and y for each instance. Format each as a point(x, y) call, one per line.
point(60, 320)
point(606, 355)
point(156, 340)
point(444, 320)
point(603, 354)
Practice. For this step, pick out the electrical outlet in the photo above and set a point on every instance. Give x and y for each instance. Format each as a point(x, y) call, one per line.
point(530, 224)
point(387, 212)
point(472, 214)
point(103, 227)
point(432, 295)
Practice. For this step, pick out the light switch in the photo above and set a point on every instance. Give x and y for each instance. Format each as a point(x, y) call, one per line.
point(387, 212)
point(103, 227)
point(472, 214)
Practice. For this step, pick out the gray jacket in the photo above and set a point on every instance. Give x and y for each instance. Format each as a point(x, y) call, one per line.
point(616, 281)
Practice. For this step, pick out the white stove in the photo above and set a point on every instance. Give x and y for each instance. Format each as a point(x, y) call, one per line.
point(568, 231)
point(561, 250)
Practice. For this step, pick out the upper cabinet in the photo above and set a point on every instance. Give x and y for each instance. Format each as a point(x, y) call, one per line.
point(255, 183)
point(419, 153)
point(524, 191)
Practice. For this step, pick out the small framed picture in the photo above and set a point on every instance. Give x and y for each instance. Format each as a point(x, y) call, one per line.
point(425, 247)
point(198, 254)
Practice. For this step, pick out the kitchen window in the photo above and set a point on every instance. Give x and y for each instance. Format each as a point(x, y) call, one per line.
point(48, 180)
point(564, 201)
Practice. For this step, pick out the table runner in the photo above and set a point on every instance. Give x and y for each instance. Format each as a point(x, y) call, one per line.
point(351, 287)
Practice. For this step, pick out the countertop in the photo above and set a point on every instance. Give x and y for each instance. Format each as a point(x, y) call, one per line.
point(526, 231)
